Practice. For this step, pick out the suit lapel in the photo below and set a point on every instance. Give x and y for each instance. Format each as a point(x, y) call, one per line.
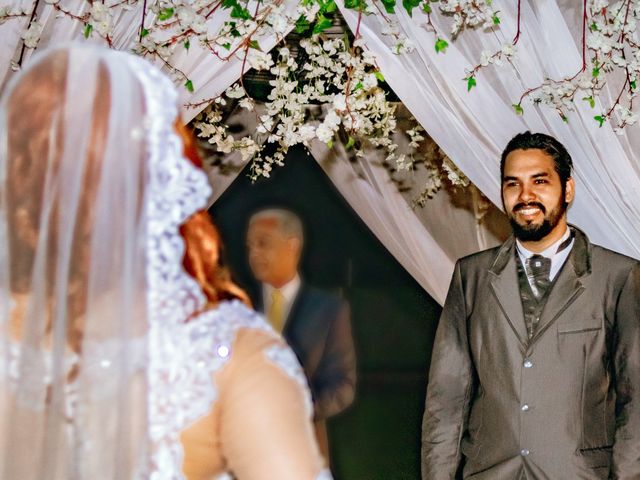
point(504, 285)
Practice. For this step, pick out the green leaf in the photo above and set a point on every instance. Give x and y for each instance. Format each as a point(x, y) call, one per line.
point(350, 143)
point(409, 5)
point(302, 24)
point(240, 12)
point(591, 100)
point(322, 23)
point(255, 45)
point(165, 13)
point(633, 84)
point(600, 119)
point(226, 46)
point(358, 87)
point(187, 44)
point(564, 118)
point(496, 19)
point(355, 4)
point(594, 27)
point(379, 75)
point(389, 5)
point(441, 45)
point(330, 143)
point(88, 28)
point(229, 3)
point(426, 7)
point(329, 7)
point(595, 72)
point(471, 82)
point(144, 33)
point(189, 86)
point(518, 108)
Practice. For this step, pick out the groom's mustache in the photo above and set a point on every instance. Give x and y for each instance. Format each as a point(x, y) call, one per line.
point(522, 206)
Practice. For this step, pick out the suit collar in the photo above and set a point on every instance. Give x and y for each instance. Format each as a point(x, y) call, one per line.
point(580, 257)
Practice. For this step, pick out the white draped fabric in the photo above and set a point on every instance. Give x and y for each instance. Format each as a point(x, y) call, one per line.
point(473, 127)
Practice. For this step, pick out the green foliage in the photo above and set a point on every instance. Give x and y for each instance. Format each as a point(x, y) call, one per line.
point(426, 7)
point(496, 19)
point(441, 45)
point(518, 109)
point(189, 86)
point(389, 5)
point(144, 33)
point(302, 24)
point(187, 45)
point(322, 24)
point(409, 5)
point(240, 12)
point(88, 28)
point(600, 119)
point(591, 100)
point(379, 75)
point(350, 143)
point(471, 82)
point(255, 45)
point(355, 4)
point(633, 84)
point(166, 13)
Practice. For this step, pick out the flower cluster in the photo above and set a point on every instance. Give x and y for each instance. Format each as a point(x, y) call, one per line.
point(342, 78)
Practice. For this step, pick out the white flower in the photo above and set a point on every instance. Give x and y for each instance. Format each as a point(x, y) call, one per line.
point(279, 22)
point(324, 133)
point(235, 91)
point(259, 60)
point(340, 103)
point(369, 81)
point(247, 103)
point(31, 36)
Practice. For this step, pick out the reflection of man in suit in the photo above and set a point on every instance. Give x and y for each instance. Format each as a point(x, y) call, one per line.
point(315, 323)
point(535, 371)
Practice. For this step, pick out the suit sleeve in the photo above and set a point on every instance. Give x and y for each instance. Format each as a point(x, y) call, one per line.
point(626, 448)
point(334, 383)
point(449, 389)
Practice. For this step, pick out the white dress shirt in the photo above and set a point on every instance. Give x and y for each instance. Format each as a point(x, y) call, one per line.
point(289, 292)
point(551, 252)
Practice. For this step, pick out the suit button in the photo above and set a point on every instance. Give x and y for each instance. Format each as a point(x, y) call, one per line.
point(528, 363)
point(524, 452)
point(525, 408)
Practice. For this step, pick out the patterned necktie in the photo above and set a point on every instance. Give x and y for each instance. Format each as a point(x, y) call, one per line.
point(539, 268)
point(276, 313)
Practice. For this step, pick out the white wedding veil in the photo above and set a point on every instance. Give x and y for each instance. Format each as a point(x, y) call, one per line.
point(93, 187)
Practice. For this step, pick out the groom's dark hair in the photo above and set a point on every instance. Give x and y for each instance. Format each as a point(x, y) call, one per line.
point(546, 143)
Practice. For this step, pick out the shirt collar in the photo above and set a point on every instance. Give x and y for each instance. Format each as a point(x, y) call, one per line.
point(289, 290)
point(549, 252)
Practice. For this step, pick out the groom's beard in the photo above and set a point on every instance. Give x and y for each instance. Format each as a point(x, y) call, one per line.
point(534, 232)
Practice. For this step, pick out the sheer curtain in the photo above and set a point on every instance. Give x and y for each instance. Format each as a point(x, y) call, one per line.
point(473, 127)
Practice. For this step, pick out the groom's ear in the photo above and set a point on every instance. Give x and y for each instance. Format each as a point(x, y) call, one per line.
point(570, 190)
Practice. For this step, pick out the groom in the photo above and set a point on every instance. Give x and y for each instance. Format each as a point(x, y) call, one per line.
point(535, 371)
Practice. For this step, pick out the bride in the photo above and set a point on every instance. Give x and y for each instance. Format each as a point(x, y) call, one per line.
point(112, 363)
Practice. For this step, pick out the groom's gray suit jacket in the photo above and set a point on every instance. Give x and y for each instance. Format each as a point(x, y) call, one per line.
point(564, 405)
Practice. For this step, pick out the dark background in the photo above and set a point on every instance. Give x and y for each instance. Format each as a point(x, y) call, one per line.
point(394, 319)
